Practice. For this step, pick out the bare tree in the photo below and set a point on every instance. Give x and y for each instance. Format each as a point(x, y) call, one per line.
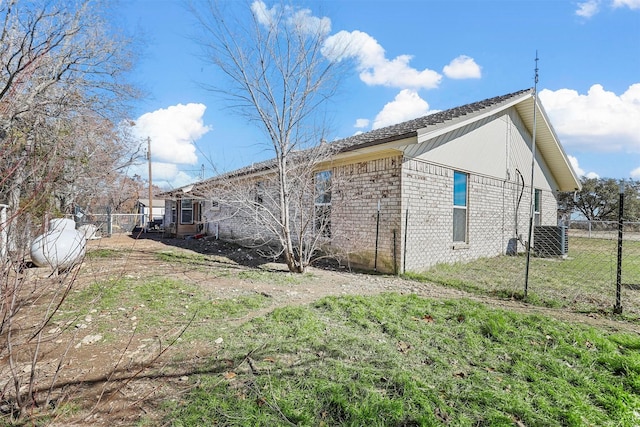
point(250, 198)
point(60, 62)
point(279, 79)
point(98, 155)
point(62, 94)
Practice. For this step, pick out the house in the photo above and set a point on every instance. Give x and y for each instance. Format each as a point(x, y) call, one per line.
point(447, 187)
point(156, 219)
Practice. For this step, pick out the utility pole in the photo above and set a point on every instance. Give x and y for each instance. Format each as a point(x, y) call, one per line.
point(150, 184)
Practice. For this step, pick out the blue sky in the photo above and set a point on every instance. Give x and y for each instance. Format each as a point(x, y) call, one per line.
point(414, 57)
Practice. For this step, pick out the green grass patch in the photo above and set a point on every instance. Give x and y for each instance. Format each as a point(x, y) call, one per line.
point(276, 277)
point(156, 302)
point(585, 281)
point(100, 253)
point(405, 360)
point(183, 257)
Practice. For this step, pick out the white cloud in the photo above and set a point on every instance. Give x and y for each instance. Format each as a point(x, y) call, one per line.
point(362, 123)
point(374, 67)
point(164, 171)
point(173, 131)
point(167, 175)
point(312, 24)
point(588, 8)
point(301, 18)
point(631, 4)
point(597, 121)
point(635, 174)
point(263, 15)
point(578, 170)
point(164, 175)
point(407, 105)
point(462, 67)
point(574, 164)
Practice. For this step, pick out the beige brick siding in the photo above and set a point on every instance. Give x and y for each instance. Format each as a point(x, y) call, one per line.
point(424, 191)
point(235, 218)
point(355, 210)
point(428, 197)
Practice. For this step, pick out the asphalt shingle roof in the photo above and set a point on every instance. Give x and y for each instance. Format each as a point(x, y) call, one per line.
point(389, 133)
point(410, 128)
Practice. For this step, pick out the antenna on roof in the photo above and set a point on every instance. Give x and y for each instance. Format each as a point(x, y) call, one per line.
point(535, 80)
point(533, 166)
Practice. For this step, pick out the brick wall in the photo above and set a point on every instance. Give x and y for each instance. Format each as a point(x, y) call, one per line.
point(415, 229)
point(360, 186)
point(491, 211)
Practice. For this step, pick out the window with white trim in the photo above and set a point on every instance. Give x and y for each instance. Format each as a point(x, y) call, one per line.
point(323, 203)
point(186, 211)
point(537, 202)
point(259, 192)
point(460, 212)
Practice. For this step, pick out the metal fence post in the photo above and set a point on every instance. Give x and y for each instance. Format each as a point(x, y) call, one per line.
point(406, 233)
point(617, 309)
point(375, 261)
point(109, 222)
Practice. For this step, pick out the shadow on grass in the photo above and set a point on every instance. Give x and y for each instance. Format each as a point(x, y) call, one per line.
point(241, 255)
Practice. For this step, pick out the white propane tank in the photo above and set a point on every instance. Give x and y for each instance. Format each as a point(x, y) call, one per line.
point(60, 247)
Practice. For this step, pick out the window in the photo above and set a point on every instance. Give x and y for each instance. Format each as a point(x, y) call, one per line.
point(460, 206)
point(198, 213)
point(186, 211)
point(323, 203)
point(215, 205)
point(537, 199)
point(259, 192)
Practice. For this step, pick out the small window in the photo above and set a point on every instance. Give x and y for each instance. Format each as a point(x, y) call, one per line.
point(198, 211)
point(215, 205)
point(186, 211)
point(323, 203)
point(537, 199)
point(460, 192)
point(323, 220)
point(259, 192)
point(323, 188)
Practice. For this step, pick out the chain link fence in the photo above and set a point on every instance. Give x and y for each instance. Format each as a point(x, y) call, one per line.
point(108, 224)
point(579, 266)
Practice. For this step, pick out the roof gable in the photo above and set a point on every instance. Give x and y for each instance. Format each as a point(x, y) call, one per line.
point(433, 125)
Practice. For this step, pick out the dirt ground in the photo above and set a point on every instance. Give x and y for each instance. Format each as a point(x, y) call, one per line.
point(120, 381)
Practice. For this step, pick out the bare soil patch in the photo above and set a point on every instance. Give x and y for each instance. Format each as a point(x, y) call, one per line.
point(114, 373)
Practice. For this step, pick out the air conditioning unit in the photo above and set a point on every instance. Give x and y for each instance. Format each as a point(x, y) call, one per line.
point(551, 240)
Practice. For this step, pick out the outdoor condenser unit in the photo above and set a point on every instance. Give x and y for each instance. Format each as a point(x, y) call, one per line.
point(551, 240)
